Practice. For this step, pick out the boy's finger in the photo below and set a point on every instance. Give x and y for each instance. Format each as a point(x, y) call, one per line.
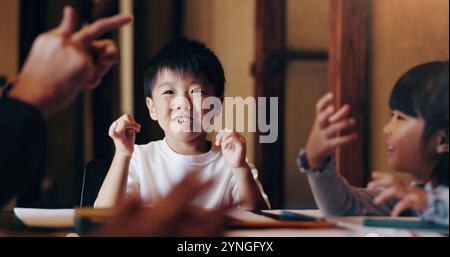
point(120, 128)
point(100, 27)
point(219, 137)
point(132, 130)
point(124, 125)
point(332, 130)
point(112, 128)
point(229, 141)
point(127, 117)
point(227, 136)
point(323, 102)
point(340, 114)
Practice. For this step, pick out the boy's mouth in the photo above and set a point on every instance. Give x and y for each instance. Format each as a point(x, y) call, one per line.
point(182, 119)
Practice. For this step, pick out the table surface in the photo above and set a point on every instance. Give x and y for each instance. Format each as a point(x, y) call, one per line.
point(345, 227)
point(10, 226)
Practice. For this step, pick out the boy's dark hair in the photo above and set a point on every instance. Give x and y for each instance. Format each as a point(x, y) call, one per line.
point(186, 56)
point(423, 92)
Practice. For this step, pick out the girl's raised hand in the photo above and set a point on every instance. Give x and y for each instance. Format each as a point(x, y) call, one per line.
point(326, 135)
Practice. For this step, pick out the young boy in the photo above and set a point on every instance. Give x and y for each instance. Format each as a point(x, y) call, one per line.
point(183, 70)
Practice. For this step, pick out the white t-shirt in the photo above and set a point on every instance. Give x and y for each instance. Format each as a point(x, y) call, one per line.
point(155, 169)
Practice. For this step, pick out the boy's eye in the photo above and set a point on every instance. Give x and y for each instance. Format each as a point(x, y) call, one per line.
point(168, 92)
point(198, 91)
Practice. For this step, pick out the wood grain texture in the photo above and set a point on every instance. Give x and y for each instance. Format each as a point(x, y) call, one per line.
point(348, 79)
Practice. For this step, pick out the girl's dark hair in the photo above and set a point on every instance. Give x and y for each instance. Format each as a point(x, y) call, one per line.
point(423, 92)
point(186, 56)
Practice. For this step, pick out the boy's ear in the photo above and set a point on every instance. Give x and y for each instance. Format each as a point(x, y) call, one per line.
point(442, 142)
point(151, 108)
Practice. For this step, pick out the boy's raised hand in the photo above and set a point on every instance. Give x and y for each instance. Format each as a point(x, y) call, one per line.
point(233, 147)
point(325, 136)
point(123, 132)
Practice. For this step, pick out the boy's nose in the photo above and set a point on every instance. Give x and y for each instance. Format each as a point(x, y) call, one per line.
point(181, 103)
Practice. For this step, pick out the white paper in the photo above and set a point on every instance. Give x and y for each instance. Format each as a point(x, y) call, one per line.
point(46, 218)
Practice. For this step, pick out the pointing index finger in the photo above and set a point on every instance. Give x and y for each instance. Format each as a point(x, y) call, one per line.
point(100, 27)
point(69, 21)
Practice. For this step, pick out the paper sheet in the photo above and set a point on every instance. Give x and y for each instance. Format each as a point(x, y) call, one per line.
point(247, 216)
point(46, 218)
point(248, 219)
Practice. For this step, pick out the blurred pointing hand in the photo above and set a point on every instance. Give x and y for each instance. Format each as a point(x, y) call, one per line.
point(171, 216)
point(62, 62)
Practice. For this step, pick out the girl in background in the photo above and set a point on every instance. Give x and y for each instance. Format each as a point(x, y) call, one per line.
point(417, 143)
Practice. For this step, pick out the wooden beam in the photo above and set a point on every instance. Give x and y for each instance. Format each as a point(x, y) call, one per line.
point(269, 77)
point(348, 79)
point(126, 46)
point(32, 23)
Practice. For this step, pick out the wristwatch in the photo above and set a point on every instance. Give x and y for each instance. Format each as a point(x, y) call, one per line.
point(302, 161)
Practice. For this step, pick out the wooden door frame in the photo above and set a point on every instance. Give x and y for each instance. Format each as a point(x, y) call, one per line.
point(347, 60)
point(270, 79)
point(348, 68)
